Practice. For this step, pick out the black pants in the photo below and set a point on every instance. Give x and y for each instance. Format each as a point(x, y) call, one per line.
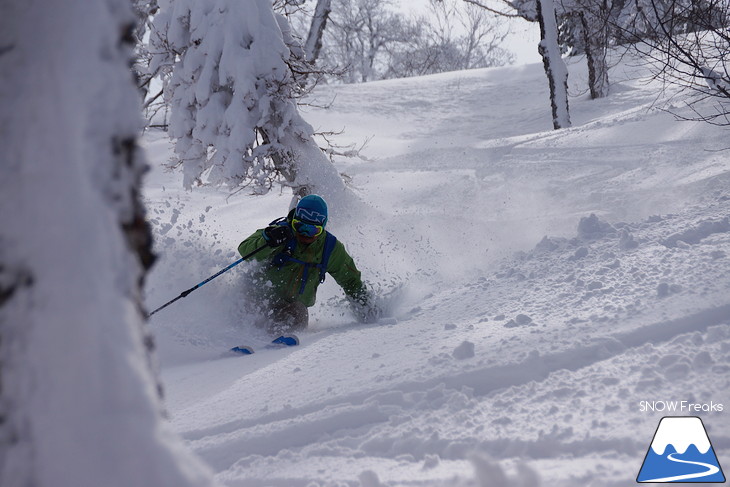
point(287, 317)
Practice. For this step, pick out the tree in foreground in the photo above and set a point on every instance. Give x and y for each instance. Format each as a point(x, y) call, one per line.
point(231, 87)
point(79, 401)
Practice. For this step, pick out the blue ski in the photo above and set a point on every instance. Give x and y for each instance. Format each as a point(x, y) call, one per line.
point(278, 342)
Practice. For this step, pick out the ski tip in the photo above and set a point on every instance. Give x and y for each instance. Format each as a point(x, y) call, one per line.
point(242, 350)
point(288, 340)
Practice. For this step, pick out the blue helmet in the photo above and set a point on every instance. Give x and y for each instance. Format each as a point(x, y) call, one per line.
point(312, 209)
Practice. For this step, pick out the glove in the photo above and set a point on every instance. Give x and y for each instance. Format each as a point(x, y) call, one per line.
point(365, 309)
point(277, 235)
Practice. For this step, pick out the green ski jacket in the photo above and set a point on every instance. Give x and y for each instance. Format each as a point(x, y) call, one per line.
point(286, 282)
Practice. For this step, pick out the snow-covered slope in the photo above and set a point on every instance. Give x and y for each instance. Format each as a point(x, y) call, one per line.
point(553, 280)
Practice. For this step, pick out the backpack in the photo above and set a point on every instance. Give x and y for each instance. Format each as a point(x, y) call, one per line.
point(285, 255)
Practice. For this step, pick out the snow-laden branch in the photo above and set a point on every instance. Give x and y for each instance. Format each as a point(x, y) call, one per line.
point(231, 90)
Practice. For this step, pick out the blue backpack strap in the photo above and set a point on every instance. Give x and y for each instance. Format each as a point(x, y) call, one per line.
point(286, 256)
point(329, 245)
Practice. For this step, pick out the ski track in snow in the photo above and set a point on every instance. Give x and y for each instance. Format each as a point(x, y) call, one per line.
point(514, 358)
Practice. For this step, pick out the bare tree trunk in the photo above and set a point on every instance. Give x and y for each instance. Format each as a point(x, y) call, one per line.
point(313, 44)
point(595, 38)
point(555, 68)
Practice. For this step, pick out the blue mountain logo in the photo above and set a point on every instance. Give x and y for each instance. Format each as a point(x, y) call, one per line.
point(681, 452)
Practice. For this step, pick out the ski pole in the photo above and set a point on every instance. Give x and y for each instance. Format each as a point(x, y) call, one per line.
point(185, 293)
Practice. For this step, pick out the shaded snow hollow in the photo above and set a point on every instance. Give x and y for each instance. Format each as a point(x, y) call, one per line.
point(554, 283)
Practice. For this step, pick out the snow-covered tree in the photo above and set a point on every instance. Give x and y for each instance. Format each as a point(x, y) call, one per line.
point(555, 68)
point(153, 102)
point(313, 44)
point(79, 402)
point(143, 9)
point(231, 90)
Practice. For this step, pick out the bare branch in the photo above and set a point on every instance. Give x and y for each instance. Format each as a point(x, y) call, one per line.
point(493, 10)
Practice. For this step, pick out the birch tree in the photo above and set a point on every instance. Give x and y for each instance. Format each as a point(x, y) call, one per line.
point(555, 68)
point(585, 29)
point(313, 44)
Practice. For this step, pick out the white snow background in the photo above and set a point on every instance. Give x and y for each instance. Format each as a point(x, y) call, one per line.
point(551, 280)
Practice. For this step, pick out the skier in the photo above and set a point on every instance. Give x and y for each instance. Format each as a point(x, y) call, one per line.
point(300, 252)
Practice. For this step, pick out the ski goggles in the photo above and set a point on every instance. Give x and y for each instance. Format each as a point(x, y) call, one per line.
point(307, 229)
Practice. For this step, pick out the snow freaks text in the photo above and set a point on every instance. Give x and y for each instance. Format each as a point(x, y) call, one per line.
point(679, 407)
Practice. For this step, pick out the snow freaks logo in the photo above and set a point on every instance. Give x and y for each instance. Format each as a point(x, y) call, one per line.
point(680, 407)
point(681, 452)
